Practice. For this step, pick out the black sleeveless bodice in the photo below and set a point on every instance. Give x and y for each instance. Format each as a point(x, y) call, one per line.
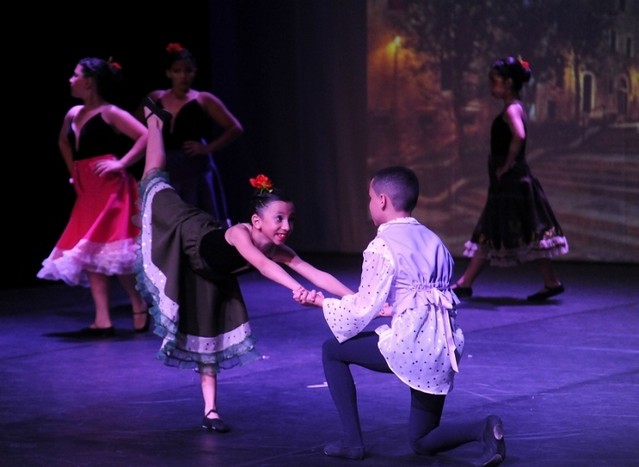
point(97, 138)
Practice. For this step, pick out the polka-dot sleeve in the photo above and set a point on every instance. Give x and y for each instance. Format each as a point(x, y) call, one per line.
point(349, 315)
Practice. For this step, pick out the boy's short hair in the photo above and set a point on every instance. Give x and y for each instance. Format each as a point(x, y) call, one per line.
point(400, 184)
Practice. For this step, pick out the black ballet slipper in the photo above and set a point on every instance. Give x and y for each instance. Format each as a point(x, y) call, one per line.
point(162, 114)
point(546, 293)
point(215, 424)
point(462, 292)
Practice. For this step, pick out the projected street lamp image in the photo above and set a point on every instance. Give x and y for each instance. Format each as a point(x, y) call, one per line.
point(395, 44)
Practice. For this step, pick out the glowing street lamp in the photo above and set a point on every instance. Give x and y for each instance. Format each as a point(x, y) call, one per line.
point(396, 44)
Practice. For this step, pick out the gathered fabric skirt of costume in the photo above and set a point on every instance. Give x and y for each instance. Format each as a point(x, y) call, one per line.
point(198, 182)
point(203, 322)
point(517, 224)
point(100, 235)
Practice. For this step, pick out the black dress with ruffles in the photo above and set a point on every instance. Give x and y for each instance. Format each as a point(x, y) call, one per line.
point(517, 223)
point(190, 273)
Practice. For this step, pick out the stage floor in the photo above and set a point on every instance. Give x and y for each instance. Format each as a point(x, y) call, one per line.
point(563, 375)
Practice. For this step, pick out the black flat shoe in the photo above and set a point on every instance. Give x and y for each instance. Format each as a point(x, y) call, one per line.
point(546, 293)
point(337, 449)
point(493, 440)
point(215, 424)
point(159, 112)
point(462, 292)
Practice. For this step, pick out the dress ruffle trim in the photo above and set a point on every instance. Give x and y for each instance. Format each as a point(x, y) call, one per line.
point(173, 353)
point(549, 247)
point(71, 266)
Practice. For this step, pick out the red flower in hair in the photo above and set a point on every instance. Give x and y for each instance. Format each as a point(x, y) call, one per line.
point(262, 183)
point(523, 62)
point(174, 47)
point(114, 65)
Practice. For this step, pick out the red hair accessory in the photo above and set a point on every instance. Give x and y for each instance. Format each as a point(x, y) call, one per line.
point(262, 183)
point(523, 62)
point(174, 48)
point(115, 65)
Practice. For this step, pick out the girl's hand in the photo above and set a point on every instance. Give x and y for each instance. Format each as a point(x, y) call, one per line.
point(106, 166)
point(300, 294)
point(308, 297)
point(387, 310)
point(193, 148)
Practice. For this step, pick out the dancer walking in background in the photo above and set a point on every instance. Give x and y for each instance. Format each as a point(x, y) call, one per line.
point(406, 274)
point(517, 224)
point(190, 266)
point(200, 126)
point(100, 239)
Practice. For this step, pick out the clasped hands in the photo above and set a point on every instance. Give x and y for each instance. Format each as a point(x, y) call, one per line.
point(308, 297)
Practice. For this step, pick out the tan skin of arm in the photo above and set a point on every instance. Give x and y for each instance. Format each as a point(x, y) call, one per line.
point(240, 237)
point(63, 141)
point(221, 115)
point(319, 278)
point(388, 213)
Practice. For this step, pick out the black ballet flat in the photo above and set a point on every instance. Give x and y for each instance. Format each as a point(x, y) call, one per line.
point(215, 424)
point(159, 112)
point(546, 293)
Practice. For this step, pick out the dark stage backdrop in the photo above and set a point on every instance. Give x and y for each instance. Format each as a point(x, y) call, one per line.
point(297, 75)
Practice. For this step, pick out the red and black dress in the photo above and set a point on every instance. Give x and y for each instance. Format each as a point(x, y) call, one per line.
point(100, 235)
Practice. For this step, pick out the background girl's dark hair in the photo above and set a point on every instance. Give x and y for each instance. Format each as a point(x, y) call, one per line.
point(262, 198)
point(106, 75)
point(513, 68)
point(179, 53)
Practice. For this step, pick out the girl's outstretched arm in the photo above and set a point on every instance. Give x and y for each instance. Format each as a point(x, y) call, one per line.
point(319, 278)
point(239, 237)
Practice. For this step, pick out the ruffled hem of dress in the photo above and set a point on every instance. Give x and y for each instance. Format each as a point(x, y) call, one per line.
point(236, 355)
point(147, 278)
point(546, 248)
point(71, 266)
point(166, 326)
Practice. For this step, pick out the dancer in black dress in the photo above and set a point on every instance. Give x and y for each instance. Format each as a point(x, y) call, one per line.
point(201, 125)
point(190, 264)
point(517, 224)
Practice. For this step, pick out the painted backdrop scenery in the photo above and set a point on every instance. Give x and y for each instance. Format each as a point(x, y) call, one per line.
point(429, 107)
